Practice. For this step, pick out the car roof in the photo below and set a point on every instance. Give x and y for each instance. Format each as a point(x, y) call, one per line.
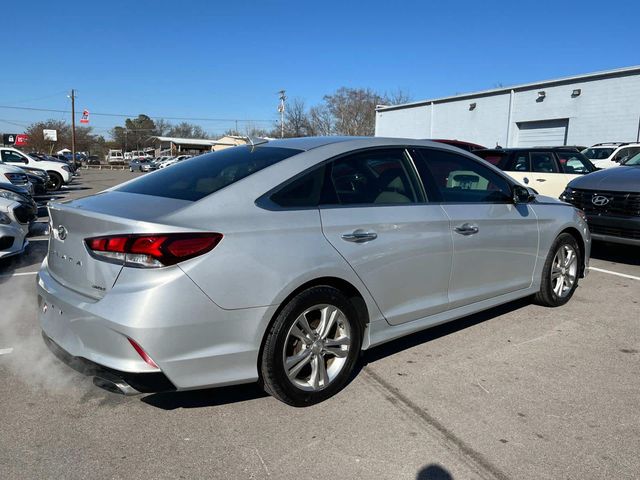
point(311, 143)
point(528, 149)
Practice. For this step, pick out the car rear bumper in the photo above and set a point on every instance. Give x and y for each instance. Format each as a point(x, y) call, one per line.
point(195, 343)
point(623, 230)
point(142, 382)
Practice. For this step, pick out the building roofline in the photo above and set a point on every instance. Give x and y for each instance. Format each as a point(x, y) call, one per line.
point(524, 86)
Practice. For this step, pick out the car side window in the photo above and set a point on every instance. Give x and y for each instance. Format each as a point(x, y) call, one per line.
point(573, 163)
point(543, 162)
point(12, 157)
point(521, 162)
point(375, 177)
point(305, 191)
point(458, 179)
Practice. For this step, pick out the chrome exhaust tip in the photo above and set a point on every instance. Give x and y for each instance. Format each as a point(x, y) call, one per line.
point(115, 385)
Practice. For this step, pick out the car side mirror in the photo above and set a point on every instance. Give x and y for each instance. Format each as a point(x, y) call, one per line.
point(522, 194)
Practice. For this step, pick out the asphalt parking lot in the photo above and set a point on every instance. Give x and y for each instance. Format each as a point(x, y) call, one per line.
point(519, 391)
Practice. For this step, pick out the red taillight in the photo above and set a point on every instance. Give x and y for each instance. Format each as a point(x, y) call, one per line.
point(155, 250)
point(145, 356)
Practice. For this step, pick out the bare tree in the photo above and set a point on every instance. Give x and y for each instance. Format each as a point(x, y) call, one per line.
point(296, 122)
point(320, 120)
point(353, 110)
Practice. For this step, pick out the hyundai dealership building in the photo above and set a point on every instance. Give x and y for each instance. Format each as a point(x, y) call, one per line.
point(579, 110)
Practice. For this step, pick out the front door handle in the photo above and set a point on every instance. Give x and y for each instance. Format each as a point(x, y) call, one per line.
point(360, 236)
point(541, 179)
point(467, 229)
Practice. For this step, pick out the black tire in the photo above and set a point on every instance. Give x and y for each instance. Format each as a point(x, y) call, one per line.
point(55, 181)
point(273, 375)
point(547, 296)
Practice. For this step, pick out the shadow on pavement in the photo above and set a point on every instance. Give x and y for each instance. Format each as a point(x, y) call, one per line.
point(617, 253)
point(205, 398)
point(433, 472)
point(424, 336)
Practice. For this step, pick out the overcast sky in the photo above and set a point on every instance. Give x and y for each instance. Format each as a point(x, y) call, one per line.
point(228, 60)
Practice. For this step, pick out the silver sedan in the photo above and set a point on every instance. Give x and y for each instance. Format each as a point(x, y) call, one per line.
point(281, 261)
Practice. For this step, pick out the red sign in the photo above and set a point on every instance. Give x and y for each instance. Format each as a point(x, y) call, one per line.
point(85, 116)
point(21, 140)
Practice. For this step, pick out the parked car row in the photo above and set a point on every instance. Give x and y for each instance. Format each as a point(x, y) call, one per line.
point(148, 165)
point(53, 172)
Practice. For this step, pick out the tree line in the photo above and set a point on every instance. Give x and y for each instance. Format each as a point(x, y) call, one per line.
point(347, 111)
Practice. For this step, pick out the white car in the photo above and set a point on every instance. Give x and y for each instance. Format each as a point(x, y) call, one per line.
point(547, 170)
point(59, 172)
point(607, 155)
point(173, 161)
point(15, 176)
point(13, 234)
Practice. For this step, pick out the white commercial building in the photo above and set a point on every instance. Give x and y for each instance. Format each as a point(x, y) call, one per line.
point(580, 110)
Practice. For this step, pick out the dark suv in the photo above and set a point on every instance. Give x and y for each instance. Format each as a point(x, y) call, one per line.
point(547, 170)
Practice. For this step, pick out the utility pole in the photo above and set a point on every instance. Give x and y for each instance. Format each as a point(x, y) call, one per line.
point(283, 97)
point(73, 125)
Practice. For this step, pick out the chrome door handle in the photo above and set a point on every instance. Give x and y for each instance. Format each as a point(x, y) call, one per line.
point(467, 229)
point(360, 236)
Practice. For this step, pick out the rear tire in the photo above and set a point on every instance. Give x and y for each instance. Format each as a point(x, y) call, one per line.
point(560, 273)
point(311, 348)
point(55, 181)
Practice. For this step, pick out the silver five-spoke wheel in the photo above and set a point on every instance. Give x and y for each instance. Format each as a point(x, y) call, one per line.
point(564, 270)
point(316, 347)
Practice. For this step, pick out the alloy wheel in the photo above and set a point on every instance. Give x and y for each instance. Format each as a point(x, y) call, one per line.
point(316, 347)
point(564, 270)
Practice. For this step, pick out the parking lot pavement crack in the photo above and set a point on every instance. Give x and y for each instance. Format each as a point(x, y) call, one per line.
point(472, 458)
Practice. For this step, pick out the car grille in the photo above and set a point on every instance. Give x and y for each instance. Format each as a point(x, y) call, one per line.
point(618, 203)
point(615, 232)
point(23, 213)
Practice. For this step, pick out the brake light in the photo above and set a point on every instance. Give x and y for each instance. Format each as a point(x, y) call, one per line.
point(152, 250)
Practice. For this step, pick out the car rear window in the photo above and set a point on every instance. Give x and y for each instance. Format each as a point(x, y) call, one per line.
point(195, 178)
point(496, 159)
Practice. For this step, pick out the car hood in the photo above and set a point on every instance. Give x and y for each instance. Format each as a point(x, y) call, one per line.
point(617, 179)
point(4, 168)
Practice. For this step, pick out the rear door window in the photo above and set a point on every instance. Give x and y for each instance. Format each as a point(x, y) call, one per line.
point(574, 163)
point(206, 174)
point(543, 162)
point(374, 177)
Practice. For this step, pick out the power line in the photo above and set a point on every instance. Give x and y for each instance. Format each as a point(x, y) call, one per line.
point(123, 115)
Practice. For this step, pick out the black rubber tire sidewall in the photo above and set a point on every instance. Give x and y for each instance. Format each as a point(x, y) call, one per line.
point(55, 180)
point(273, 375)
point(546, 296)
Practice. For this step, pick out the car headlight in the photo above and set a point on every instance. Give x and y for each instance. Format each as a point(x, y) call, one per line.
point(567, 195)
point(4, 219)
point(66, 168)
point(15, 197)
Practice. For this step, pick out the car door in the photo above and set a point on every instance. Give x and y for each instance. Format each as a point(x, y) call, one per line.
point(376, 215)
point(495, 242)
point(14, 158)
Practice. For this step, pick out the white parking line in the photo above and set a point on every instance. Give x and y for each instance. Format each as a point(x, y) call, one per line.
point(624, 275)
point(5, 351)
point(20, 274)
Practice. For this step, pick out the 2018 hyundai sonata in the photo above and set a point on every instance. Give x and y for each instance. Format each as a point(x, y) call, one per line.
point(281, 261)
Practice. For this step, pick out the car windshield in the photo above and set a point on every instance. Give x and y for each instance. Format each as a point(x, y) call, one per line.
point(206, 174)
point(633, 161)
point(597, 153)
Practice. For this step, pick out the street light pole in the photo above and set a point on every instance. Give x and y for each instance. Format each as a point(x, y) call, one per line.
point(73, 125)
point(283, 97)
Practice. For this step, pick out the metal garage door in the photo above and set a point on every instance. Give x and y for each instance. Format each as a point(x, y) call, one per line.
point(543, 133)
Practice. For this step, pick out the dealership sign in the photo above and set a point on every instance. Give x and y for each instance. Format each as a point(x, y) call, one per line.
point(17, 139)
point(51, 135)
point(85, 116)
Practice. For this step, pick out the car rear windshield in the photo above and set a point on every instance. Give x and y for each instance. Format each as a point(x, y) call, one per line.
point(497, 159)
point(195, 178)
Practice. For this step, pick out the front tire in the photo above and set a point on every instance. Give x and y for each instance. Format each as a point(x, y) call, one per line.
point(55, 181)
point(312, 347)
point(560, 273)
